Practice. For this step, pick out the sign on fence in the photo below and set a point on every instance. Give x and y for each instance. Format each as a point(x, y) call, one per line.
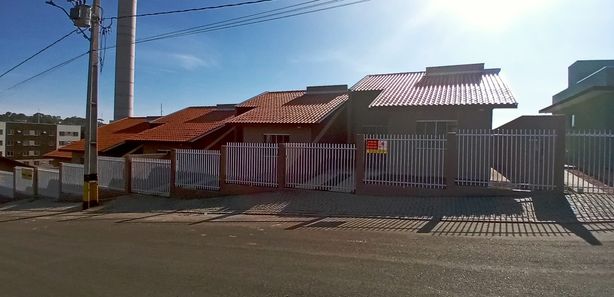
point(24, 183)
point(406, 160)
point(376, 146)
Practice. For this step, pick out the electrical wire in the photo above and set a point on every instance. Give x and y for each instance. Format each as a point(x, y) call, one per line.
point(190, 9)
point(204, 29)
point(50, 2)
point(38, 52)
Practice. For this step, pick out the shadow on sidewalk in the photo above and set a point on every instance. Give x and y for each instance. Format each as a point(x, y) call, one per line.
point(557, 208)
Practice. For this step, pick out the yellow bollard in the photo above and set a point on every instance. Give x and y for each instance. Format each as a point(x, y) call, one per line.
point(90, 194)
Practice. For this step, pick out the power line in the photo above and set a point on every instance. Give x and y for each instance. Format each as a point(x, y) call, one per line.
point(190, 9)
point(210, 28)
point(48, 70)
point(38, 52)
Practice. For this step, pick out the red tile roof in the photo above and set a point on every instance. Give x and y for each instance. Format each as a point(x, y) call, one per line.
point(58, 154)
point(186, 125)
point(290, 107)
point(113, 134)
point(439, 86)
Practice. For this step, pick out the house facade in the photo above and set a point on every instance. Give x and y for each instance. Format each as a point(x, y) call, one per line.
point(435, 101)
point(588, 101)
point(316, 114)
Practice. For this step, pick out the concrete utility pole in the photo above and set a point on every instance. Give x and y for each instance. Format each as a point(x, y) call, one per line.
point(90, 179)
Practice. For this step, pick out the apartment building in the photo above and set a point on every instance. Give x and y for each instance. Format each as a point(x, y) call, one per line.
point(28, 142)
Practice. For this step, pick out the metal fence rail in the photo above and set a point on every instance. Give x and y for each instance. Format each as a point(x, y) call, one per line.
point(72, 178)
point(589, 166)
point(151, 176)
point(253, 164)
point(321, 166)
point(111, 173)
point(6, 184)
point(48, 183)
point(516, 159)
point(198, 169)
point(24, 181)
point(407, 161)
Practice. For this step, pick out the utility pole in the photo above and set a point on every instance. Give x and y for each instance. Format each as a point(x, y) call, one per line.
point(90, 179)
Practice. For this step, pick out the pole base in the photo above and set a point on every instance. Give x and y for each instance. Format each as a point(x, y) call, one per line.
point(90, 194)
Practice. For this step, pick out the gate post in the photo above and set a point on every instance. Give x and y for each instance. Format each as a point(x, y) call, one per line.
point(559, 154)
point(128, 174)
point(35, 181)
point(281, 165)
point(359, 166)
point(222, 178)
point(451, 161)
point(173, 171)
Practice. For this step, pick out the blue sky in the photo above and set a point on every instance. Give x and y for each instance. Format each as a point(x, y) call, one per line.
point(533, 42)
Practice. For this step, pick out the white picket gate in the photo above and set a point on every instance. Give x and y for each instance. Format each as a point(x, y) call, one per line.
point(72, 178)
point(589, 166)
point(253, 164)
point(6, 184)
point(406, 161)
point(151, 176)
point(48, 183)
point(513, 159)
point(111, 173)
point(197, 169)
point(321, 166)
point(24, 181)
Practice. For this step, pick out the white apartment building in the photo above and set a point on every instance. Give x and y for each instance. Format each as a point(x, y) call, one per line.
point(67, 134)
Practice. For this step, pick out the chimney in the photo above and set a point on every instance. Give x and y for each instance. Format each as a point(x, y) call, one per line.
point(124, 59)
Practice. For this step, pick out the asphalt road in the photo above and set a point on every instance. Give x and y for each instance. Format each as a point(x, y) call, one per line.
point(41, 257)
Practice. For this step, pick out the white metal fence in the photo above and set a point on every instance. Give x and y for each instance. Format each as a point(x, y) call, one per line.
point(151, 176)
point(198, 169)
point(72, 178)
point(252, 164)
point(405, 160)
point(6, 184)
point(516, 159)
point(24, 181)
point(321, 166)
point(589, 166)
point(111, 173)
point(48, 183)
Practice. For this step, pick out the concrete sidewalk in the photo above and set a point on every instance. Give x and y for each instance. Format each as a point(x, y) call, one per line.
point(585, 208)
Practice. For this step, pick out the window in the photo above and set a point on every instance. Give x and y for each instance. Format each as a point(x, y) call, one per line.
point(9, 153)
point(573, 121)
point(11, 132)
point(435, 127)
point(1, 132)
point(10, 143)
point(1, 142)
point(276, 138)
point(75, 134)
point(32, 132)
point(62, 133)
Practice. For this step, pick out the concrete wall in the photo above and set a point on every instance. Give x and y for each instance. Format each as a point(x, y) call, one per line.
point(594, 114)
point(403, 120)
point(298, 133)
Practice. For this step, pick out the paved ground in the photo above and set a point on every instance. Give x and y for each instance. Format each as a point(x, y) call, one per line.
point(246, 255)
